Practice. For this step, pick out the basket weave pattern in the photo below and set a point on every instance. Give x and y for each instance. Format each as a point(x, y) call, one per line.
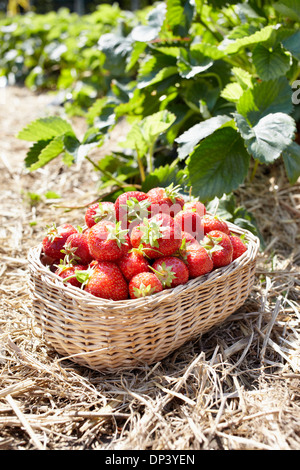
point(111, 335)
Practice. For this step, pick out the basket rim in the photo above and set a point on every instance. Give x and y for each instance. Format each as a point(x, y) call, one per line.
point(51, 279)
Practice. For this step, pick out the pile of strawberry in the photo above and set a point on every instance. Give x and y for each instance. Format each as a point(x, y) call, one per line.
point(139, 245)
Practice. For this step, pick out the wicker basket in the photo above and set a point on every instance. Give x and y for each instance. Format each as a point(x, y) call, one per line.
point(114, 335)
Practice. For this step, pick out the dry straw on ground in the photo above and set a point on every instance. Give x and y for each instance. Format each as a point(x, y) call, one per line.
point(236, 387)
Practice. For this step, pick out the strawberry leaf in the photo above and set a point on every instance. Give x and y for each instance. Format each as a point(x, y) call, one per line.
point(44, 129)
point(291, 159)
point(218, 165)
point(269, 137)
point(271, 62)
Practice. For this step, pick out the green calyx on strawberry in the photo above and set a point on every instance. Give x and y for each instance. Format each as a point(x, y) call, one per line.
point(165, 200)
point(135, 209)
point(171, 271)
point(160, 235)
point(116, 233)
point(75, 275)
point(188, 242)
point(98, 211)
point(107, 241)
point(70, 253)
point(144, 284)
point(173, 192)
point(164, 274)
point(52, 232)
point(151, 231)
point(55, 239)
point(219, 247)
point(130, 206)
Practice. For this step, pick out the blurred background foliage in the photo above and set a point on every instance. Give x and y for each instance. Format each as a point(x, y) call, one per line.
point(79, 6)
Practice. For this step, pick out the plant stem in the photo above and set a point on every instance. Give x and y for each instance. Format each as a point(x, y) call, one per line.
point(150, 158)
point(256, 163)
point(141, 166)
point(108, 174)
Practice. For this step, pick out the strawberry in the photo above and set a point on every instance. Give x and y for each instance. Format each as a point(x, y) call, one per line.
point(68, 273)
point(144, 284)
point(195, 206)
point(191, 222)
point(171, 271)
point(211, 222)
point(159, 236)
point(239, 247)
point(77, 247)
point(198, 261)
point(132, 207)
point(100, 211)
point(187, 242)
point(55, 239)
point(132, 263)
point(107, 241)
point(165, 200)
point(219, 245)
point(107, 281)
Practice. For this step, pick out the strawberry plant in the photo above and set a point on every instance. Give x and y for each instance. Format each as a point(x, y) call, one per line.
point(207, 88)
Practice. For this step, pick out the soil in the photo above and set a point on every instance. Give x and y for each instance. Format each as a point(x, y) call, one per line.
point(236, 387)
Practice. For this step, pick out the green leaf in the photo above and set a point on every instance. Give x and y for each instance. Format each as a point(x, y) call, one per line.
point(161, 75)
point(234, 46)
point(163, 176)
point(77, 150)
point(54, 148)
point(155, 19)
point(243, 77)
point(179, 16)
point(266, 97)
point(269, 137)
point(291, 159)
point(44, 129)
point(292, 44)
point(156, 124)
point(218, 165)
point(33, 153)
point(271, 62)
point(232, 92)
point(192, 62)
point(144, 133)
point(190, 138)
point(289, 8)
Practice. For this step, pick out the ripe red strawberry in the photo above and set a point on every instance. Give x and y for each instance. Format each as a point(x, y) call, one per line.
point(99, 211)
point(198, 261)
point(211, 222)
point(196, 206)
point(171, 271)
point(219, 245)
point(107, 282)
point(144, 284)
point(187, 242)
point(239, 247)
point(77, 248)
point(107, 241)
point(191, 222)
point(55, 239)
point(132, 263)
point(165, 200)
point(68, 273)
point(132, 207)
point(159, 236)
